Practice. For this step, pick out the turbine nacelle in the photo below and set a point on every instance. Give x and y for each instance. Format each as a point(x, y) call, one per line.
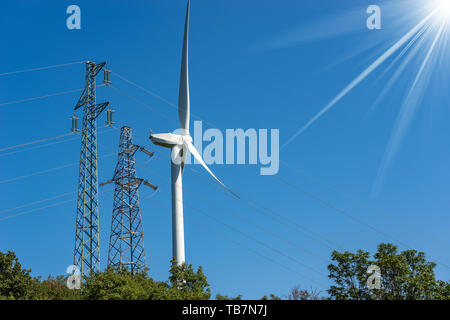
point(167, 140)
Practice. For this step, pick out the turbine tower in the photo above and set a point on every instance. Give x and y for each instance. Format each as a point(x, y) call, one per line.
point(126, 244)
point(180, 144)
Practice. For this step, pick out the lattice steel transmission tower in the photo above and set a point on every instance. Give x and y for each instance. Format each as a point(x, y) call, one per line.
point(126, 244)
point(87, 249)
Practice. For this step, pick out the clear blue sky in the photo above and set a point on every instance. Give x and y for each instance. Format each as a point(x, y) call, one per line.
point(253, 64)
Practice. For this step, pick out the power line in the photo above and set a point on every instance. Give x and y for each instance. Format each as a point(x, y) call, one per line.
point(39, 147)
point(45, 207)
point(37, 209)
point(143, 89)
point(263, 229)
point(253, 238)
point(156, 96)
point(338, 210)
point(40, 97)
point(290, 222)
point(49, 144)
point(284, 218)
point(36, 141)
point(345, 213)
point(286, 222)
point(37, 173)
point(275, 235)
point(42, 68)
point(341, 193)
point(142, 103)
point(44, 96)
point(36, 202)
point(260, 242)
point(281, 219)
point(237, 243)
point(48, 170)
point(256, 240)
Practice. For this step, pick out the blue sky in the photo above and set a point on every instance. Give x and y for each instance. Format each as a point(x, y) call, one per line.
point(253, 64)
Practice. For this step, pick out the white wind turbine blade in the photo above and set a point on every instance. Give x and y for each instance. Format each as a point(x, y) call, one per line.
point(183, 96)
point(197, 156)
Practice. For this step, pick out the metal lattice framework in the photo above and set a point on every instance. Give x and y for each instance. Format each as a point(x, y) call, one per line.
point(126, 245)
point(87, 247)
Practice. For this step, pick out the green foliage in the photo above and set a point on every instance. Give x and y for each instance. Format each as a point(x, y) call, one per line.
point(297, 293)
point(350, 275)
point(271, 297)
point(116, 284)
point(120, 284)
point(221, 297)
point(189, 285)
point(15, 282)
point(405, 275)
point(442, 290)
point(112, 284)
point(55, 289)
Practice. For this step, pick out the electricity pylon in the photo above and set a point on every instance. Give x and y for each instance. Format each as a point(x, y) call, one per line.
point(87, 246)
point(126, 244)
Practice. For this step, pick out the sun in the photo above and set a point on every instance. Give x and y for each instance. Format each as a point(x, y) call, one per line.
point(442, 7)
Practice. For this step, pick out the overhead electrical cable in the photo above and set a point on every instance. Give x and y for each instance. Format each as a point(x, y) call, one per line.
point(141, 103)
point(278, 217)
point(355, 219)
point(249, 222)
point(77, 137)
point(155, 95)
point(40, 97)
point(36, 141)
point(44, 207)
point(44, 96)
point(41, 68)
point(49, 170)
point(275, 216)
point(263, 244)
point(38, 201)
point(213, 231)
point(143, 89)
point(257, 240)
point(342, 212)
point(345, 194)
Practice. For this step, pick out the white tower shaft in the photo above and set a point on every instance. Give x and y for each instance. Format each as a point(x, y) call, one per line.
point(177, 210)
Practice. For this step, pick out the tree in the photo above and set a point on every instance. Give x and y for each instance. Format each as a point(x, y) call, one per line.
point(405, 275)
point(349, 275)
point(55, 288)
point(190, 285)
point(442, 290)
point(120, 284)
point(117, 284)
point(221, 297)
point(271, 297)
point(15, 282)
point(297, 293)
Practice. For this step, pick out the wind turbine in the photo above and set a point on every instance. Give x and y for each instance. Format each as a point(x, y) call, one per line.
point(180, 144)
